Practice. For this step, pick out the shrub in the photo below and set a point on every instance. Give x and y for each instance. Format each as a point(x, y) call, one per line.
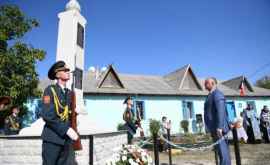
point(190, 138)
point(154, 127)
point(184, 124)
point(121, 127)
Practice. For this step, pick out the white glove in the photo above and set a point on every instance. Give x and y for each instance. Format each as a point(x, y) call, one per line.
point(72, 134)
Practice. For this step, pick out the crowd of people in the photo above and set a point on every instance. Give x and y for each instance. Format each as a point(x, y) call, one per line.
point(251, 128)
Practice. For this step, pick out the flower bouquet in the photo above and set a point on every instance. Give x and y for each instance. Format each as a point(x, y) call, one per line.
point(131, 155)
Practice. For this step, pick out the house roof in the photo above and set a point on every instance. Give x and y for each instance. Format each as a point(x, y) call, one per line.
point(235, 83)
point(179, 79)
point(178, 83)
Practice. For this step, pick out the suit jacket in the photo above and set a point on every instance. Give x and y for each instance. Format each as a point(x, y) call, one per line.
point(215, 114)
point(55, 129)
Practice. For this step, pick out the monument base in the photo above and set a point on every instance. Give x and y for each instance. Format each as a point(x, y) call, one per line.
point(26, 150)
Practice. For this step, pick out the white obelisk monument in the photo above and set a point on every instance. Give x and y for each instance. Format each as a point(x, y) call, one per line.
point(70, 46)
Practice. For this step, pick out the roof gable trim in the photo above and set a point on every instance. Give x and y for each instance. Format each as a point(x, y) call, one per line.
point(189, 70)
point(105, 76)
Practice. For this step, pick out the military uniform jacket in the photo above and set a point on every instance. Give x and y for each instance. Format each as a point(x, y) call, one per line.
point(128, 115)
point(55, 128)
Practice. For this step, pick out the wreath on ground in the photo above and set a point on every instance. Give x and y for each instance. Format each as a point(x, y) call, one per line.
point(131, 155)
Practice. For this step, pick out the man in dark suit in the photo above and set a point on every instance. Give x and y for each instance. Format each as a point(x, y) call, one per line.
point(216, 119)
point(57, 133)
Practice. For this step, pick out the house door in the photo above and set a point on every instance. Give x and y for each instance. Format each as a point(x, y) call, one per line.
point(231, 110)
point(189, 115)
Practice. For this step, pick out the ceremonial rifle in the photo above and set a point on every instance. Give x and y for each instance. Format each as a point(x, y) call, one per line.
point(77, 145)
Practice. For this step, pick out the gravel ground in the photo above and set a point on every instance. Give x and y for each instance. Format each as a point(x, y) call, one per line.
point(251, 154)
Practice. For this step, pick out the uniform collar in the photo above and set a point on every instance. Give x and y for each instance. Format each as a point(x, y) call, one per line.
point(62, 87)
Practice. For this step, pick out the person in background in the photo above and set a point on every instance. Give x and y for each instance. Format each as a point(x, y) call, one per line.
point(165, 125)
point(4, 102)
point(129, 119)
point(251, 124)
point(138, 122)
point(265, 123)
point(216, 119)
point(13, 122)
point(241, 133)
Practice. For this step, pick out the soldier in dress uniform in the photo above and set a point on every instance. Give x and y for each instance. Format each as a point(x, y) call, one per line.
point(57, 133)
point(129, 118)
point(13, 122)
point(265, 124)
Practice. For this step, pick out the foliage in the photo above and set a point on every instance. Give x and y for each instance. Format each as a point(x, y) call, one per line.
point(121, 127)
point(131, 155)
point(154, 127)
point(18, 75)
point(264, 82)
point(184, 124)
point(190, 138)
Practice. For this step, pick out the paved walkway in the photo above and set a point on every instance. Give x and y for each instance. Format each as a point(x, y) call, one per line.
point(257, 154)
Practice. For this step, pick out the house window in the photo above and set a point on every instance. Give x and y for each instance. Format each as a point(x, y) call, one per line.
point(252, 104)
point(199, 118)
point(188, 110)
point(140, 110)
point(80, 35)
point(231, 112)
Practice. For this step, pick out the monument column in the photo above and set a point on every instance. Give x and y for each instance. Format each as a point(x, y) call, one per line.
point(70, 46)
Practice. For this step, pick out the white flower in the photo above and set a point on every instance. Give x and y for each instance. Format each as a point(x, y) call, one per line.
point(144, 159)
point(116, 157)
point(138, 160)
point(124, 158)
point(131, 161)
point(143, 153)
point(108, 162)
point(149, 160)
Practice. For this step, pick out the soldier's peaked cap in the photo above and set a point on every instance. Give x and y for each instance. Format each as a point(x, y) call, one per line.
point(56, 67)
point(126, 100)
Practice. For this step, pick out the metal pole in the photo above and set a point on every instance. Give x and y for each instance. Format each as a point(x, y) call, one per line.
point(156, 149)
point(216, 156)
point(169, 146)
point(236, 147)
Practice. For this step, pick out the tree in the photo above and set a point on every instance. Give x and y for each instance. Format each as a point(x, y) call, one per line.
point(264, 82)
point(18, 75)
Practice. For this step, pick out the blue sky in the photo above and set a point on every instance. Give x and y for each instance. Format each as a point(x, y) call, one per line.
point(221, 38)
